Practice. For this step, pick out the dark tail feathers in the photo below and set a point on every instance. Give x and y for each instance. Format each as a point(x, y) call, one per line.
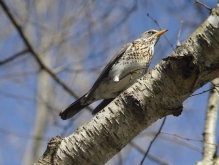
point(72, 109)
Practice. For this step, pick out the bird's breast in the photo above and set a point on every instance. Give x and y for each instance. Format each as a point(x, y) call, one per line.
point(125, 72)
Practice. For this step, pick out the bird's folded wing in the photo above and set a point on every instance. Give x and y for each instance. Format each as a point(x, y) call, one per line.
point(105, 71)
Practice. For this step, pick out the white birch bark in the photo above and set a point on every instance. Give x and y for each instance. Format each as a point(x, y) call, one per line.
point(209, 147)
point(159, 93)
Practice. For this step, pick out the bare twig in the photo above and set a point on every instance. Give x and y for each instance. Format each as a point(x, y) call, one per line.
point(197, 1)
point(155, 137)
point(150, 156)
point(203, 91)
point(215, 85)
point(181, 142)
point(185, 138)
point(22, 135)
point(23, 52)
point(155, 21)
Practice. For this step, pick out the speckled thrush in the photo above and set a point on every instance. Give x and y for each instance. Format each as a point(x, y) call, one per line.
point(127, 65)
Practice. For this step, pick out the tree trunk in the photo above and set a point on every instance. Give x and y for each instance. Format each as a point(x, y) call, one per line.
point(209, 148)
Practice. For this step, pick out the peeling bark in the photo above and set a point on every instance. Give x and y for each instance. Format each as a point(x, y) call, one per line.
point(159, 93)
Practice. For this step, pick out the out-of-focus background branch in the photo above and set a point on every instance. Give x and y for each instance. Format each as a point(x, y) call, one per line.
point(55, 53)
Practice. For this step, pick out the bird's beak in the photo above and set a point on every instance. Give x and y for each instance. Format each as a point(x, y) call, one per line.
point(159, 33)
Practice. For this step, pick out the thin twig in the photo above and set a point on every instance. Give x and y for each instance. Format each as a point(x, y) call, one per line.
point(215, 86)
point(181, 142)
point(197, 1)
point(142, 161)
point(185, 138)
point(23, 52)
point(22, 135)
point(150, 156)
point(203, 92)
point(155, 21)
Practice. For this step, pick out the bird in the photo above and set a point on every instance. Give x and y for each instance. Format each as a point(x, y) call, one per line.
point(126, 66)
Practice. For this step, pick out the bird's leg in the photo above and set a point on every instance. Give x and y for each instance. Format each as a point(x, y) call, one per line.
point(137, 71)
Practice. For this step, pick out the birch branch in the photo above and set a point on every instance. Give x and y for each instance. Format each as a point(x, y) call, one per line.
point(159, 93)
point(209, 148)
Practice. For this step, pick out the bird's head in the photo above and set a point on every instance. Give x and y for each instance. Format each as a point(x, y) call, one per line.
point(152, 35)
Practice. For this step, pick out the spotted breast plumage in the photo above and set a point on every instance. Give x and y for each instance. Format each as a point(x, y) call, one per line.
point(127, 65)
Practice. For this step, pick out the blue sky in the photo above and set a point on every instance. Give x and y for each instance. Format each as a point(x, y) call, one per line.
point(96, 46)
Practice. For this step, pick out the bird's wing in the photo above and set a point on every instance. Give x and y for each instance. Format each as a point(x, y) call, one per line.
point(105, 71)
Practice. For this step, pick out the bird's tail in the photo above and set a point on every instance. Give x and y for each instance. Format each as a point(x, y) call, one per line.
point(72, 109)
